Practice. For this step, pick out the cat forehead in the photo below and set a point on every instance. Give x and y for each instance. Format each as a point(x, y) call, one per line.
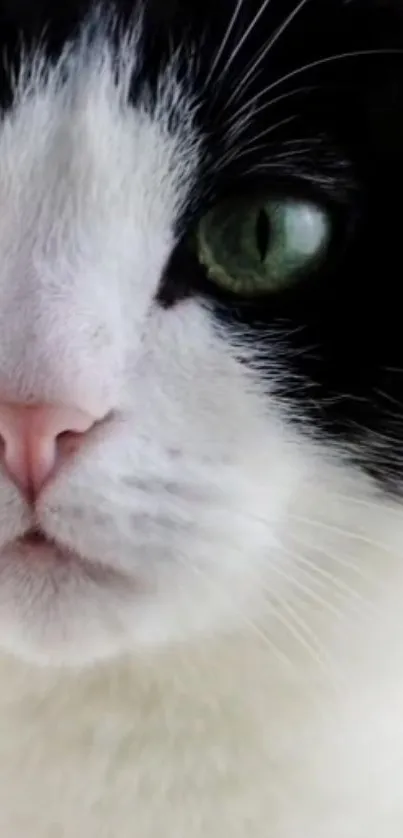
point(72, 134)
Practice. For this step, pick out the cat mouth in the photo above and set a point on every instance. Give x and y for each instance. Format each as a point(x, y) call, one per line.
point(35, 542)
point(35, 537)
point(38, 549)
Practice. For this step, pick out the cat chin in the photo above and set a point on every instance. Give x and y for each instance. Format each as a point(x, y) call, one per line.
point(59, 609)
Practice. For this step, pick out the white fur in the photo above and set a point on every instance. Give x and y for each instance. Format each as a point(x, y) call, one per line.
point(243, 584)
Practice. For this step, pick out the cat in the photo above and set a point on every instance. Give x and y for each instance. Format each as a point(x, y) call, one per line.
point(201, 419)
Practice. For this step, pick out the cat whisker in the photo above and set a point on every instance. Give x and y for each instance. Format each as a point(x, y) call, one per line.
point(309, 141)
point(342, 562)
point(274, 158)
point(240, 124)
point(248, 77)
point(329, 576)
point(373, 435)
point(391, 399)
point(297, 629)
point(322, 525)
point(296, 581)
point(245, 37)
point(305, 149)
point(393, 370)
point(348, 534)
point(234, 154)
point(278, 654)
point(315, 570)
point(224, 42)
point(304, 635)
point(368, 504)
point(312, 65)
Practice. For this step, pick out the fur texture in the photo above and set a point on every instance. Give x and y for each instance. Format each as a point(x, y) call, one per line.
point(219, 653)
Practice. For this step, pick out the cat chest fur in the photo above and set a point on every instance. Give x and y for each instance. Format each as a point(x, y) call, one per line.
point(205, 743)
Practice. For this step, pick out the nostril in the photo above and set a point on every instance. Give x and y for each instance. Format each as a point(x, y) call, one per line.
point(68, 442)
point(37, 440)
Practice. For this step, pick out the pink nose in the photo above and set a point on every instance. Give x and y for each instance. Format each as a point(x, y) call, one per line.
point(37, 439)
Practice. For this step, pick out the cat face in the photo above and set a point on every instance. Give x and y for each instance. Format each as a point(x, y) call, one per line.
point(126, 139)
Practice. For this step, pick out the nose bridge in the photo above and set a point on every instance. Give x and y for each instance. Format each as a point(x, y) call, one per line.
point(50, 312)
point(30, 435)
point(62, 319)
point(35, 323)
point(55, 352)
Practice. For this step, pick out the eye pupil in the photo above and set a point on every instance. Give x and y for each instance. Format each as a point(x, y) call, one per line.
point(262, 233)
point(264, 245)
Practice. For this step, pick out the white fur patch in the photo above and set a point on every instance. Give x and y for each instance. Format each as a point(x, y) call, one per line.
point(177, 501)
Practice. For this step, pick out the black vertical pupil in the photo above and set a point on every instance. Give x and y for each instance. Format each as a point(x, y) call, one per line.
point(262, 233)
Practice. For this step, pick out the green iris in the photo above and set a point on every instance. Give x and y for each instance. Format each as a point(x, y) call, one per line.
point(262, 247)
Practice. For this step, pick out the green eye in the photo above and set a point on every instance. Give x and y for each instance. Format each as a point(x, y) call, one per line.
point(262, 247)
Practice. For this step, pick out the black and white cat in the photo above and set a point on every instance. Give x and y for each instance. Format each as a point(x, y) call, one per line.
point(201, 419)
